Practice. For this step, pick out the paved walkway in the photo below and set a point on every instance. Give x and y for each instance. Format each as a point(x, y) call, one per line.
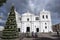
point(41, 36)
point(44, 36)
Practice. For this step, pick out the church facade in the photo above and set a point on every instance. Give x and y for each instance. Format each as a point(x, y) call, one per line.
point(29, 22)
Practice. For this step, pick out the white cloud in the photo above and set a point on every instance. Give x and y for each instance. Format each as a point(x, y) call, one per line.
point(2, 21)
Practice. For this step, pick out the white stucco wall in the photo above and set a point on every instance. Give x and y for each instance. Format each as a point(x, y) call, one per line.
point(1, 28)
point(33, 23)
point(45, 20)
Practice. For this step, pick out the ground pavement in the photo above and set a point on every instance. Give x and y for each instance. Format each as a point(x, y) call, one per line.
point(40, 36)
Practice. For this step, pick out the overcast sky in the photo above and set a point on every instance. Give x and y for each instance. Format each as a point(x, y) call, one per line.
point(34, 6)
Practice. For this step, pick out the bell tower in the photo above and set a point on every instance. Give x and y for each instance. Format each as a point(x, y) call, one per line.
point(45, 18)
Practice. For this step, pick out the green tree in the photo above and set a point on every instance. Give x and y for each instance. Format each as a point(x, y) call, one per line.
point(1, 2)
point(10, 30)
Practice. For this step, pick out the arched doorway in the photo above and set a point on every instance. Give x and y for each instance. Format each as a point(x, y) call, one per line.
point(28, 29)
point(37, 29)
point(18, 29)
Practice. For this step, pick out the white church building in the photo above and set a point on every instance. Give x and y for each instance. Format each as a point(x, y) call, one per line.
point(28, 22)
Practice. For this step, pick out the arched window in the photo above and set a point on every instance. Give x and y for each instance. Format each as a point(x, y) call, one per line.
point(45, 23)
point(20, 19)
point(37, 18)
point(47, 16)
point(43, 16)
point(27, 19)
point(45, 27)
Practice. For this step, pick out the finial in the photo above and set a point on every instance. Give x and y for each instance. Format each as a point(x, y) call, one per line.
point(12, 7)
point(43, 9)
point(28, 11)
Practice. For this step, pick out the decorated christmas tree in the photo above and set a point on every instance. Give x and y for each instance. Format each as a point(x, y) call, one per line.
point(10, 30)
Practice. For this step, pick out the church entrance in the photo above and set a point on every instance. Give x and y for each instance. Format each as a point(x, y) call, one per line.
point(37, 29)
point(28, 29)
point(18, 29)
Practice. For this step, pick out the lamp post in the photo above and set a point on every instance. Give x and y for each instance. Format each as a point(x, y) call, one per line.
point(58, 33)
point(1, 15)
point(2, 2)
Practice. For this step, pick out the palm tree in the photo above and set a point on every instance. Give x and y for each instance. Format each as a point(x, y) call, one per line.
point(1, 2)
